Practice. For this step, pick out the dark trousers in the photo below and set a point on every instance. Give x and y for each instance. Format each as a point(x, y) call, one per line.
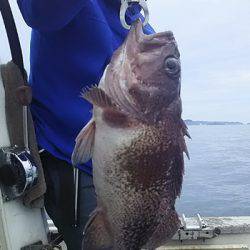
point(59, 199)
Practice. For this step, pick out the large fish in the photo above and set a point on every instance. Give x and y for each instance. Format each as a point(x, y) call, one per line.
point(136, 141)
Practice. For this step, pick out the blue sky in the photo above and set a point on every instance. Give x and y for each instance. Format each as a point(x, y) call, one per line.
point(214, 41)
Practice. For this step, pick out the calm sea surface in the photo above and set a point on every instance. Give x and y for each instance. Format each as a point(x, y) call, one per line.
point(217, 178)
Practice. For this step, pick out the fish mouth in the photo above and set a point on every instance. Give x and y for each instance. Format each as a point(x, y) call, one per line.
point(154, 40)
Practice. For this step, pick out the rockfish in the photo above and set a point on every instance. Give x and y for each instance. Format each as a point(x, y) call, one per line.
point(136, 142)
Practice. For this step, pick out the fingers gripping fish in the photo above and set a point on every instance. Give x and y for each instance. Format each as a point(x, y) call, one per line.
point(136, 142)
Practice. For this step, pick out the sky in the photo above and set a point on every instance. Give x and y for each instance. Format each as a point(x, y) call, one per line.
point(214, 41)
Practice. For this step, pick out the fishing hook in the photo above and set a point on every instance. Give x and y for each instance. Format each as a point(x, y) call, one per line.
point(124, 7)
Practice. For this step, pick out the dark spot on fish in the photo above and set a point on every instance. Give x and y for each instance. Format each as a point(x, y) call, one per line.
point(117, 119)
point(157, 161)
point(152, 167)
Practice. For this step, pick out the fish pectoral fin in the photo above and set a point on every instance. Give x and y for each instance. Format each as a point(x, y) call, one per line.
point(84, 144)
point(97, 97)
point(185, 129)
point(183, 142)
point(183, 146)
point(96, 234)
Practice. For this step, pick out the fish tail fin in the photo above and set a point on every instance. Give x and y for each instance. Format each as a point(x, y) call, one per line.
point(96, 233)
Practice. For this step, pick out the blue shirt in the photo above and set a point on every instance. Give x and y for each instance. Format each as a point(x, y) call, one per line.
point(72, 43)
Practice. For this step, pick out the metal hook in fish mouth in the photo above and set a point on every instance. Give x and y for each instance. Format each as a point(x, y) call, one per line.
point(124, 7)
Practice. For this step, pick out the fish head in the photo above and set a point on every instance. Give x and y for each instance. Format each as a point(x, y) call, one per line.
point(149, 73)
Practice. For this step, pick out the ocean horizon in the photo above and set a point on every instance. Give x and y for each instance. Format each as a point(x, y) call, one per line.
point(217, 176)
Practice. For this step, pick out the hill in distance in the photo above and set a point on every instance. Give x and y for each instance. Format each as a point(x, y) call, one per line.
point(191, 122)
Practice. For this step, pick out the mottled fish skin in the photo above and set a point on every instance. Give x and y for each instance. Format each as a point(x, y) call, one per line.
point(137, 145)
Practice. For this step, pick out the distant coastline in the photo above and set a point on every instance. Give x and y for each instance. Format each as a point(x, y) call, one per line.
point(191, 122)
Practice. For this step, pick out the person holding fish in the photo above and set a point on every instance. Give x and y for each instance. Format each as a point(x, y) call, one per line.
point(72, 43)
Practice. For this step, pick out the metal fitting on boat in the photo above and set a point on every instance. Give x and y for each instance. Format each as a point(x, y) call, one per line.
point(195, 229)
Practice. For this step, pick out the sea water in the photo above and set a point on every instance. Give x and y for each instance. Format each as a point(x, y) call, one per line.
point(217, 177)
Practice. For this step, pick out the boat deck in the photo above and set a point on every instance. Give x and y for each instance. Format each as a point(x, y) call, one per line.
point(234, 235)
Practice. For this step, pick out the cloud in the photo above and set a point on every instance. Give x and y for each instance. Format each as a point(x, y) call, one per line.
point(214, 40)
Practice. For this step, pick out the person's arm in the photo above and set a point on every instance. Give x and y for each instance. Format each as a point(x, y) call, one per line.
point(47, 15)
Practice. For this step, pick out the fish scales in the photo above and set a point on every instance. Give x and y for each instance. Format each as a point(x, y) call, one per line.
point(136, 141)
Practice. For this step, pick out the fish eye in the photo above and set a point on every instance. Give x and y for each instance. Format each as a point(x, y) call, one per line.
point(172, 67)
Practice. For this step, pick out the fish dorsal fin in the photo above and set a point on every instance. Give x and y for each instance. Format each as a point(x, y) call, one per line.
point(84, 144)
point(97, 97)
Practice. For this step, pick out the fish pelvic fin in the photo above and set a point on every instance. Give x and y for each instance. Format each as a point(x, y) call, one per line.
point(84, 144)
point(96, 234)
point(97, 97)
